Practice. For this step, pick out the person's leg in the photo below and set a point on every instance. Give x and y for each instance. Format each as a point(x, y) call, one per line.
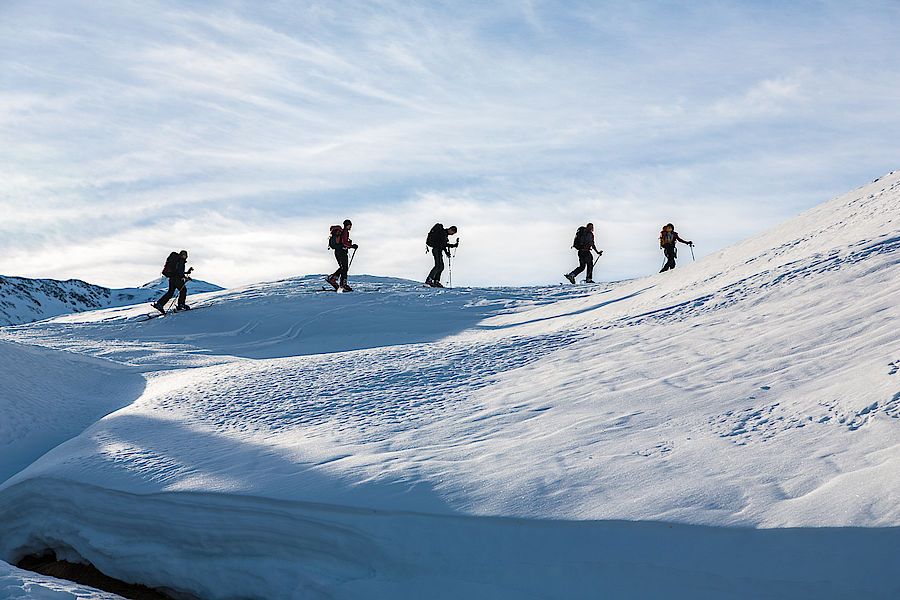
point(670, 256)
point(343, 259)
point(173, 287)
point(434, 269)
point(585, 258)
point(334, 276)
point(435, 274)
point(582, 263)
point(580, 268)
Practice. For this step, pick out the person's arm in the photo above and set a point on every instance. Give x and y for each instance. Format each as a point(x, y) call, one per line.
point(678, 239)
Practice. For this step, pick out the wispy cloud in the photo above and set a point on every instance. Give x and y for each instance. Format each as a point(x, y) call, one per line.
point(768, 98)
point(243, 130)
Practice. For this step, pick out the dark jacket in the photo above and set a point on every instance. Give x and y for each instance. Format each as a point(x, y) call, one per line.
point(441, 239)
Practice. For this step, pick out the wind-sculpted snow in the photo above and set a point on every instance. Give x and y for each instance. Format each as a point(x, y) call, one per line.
point(494, 443)
point(48, 397)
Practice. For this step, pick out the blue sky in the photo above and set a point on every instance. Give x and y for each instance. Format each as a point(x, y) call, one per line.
point(241, 130)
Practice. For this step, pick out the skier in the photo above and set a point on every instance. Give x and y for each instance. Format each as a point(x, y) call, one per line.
point(584, 243)
point(341, 243)
point(667, 238)
point(439, 241)
point(178, 278)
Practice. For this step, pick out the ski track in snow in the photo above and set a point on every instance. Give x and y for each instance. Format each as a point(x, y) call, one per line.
point(322, 438)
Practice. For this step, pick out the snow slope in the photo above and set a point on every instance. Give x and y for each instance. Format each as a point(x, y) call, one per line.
point(48, 397)
point(23, 300)
point(729, 429)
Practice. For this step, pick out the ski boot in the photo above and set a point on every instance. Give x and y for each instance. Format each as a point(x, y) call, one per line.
point(569, 277)
point(346, 288)
point(158, 307)
point(333, 281)
point(182, 307)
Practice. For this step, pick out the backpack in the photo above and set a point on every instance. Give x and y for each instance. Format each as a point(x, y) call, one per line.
point(666, 237)
point(334, 239)
point(169, 267)
point(435, 235)
point(582, 239)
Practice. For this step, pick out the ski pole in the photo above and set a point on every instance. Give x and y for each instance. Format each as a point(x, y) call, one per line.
point(351, 259)
point(691, 246)
point(450, 261)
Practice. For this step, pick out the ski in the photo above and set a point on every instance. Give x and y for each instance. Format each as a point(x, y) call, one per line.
point(172, 312)
point(327, 289)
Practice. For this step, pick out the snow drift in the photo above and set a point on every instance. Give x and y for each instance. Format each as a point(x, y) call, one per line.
point(726, 429)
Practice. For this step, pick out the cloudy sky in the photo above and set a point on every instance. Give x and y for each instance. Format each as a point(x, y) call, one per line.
point(242, 130)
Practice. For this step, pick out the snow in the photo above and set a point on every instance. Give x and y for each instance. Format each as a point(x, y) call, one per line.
point(41, 411)
point(728, 429)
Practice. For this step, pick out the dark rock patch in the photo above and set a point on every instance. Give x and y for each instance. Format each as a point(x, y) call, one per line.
point(48, 564)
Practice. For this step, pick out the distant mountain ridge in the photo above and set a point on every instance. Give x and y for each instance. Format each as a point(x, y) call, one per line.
point(23, 300)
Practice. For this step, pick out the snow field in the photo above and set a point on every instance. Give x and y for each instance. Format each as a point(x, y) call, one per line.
point(692, 431)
